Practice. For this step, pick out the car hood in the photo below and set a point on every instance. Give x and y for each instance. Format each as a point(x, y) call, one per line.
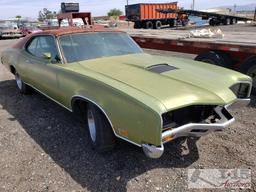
point(186, 82)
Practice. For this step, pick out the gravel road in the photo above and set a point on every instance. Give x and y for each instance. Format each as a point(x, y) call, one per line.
point(44, 148)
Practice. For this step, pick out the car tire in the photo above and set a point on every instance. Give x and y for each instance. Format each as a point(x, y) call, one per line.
point(249, 68)
point(215, 58)
point(23, 88)
point(100, 131)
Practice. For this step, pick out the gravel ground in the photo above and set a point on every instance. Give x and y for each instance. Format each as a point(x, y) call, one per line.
point(44, 148)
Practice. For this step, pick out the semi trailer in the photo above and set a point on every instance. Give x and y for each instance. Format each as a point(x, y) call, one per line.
point(214, 18)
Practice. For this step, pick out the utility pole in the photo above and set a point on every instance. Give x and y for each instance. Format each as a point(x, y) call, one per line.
point(193, 5)
point(127, 3)
point(255, 14)
point(235, 6)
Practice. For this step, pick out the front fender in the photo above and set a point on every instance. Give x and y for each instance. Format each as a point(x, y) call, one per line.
point(135, 120)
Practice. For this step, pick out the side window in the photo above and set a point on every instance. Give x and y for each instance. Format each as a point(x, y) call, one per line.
point(32, 46)
point(44, 44)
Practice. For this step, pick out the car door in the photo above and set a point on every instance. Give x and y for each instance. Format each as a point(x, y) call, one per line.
point(41, 71)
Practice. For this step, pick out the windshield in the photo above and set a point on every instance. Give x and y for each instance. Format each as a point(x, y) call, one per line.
point(84, 46)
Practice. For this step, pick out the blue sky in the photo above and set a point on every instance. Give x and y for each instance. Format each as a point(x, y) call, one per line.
point(30, 8)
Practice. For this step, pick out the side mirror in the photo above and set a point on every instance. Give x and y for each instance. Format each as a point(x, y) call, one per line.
point(47, 56)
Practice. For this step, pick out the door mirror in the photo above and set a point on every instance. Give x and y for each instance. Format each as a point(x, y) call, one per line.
point(47, 56)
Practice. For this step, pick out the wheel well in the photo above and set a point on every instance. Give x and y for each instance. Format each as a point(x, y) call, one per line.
point(12, 69)
point(79, 107)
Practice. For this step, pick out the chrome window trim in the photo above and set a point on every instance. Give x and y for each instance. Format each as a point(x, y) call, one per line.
point(27, 43)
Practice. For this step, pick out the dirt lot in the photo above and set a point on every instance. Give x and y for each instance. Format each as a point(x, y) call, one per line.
point(43, 148)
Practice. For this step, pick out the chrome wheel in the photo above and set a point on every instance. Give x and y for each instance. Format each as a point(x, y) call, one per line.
point(18, 81)
point(92, 125)
point(252, 73)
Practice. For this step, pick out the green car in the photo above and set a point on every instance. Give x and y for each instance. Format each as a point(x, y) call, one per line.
point(122, 92)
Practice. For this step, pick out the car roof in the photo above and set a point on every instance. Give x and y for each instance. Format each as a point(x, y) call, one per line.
point(64, 31)
point(72, 30)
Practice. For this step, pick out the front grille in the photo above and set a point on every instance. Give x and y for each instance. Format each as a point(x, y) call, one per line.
point(190, 114)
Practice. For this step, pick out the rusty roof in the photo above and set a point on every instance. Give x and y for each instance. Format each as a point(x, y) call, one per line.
point(63, 31)
point(71, 30)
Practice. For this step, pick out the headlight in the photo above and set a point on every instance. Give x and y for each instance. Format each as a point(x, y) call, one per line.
point(241, 90)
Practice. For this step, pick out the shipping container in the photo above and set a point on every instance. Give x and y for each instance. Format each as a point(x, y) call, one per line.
point(146, 15)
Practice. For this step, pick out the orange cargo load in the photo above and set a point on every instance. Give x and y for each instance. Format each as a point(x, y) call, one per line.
point(148, 11)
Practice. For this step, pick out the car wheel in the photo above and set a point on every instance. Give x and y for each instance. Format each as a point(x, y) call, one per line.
point(215, 58)
point(23, 88)
point(100, 131)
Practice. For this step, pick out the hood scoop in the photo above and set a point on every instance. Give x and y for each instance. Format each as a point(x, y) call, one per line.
point(160, 68)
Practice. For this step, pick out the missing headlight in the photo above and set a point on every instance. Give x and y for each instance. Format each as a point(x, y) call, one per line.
point(190, 114)
point(241, 90)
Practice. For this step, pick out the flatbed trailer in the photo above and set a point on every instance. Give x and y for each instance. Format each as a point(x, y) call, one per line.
point(237, 50)
point(214, 18)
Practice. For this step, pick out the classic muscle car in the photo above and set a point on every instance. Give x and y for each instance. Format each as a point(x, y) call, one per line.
point(122, 92)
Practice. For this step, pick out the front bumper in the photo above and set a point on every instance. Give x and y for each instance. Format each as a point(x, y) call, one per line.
point(195, 129)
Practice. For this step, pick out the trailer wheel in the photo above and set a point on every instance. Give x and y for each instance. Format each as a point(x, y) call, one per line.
point(233, 21)
point(149, 25)
point(212, 22)
point(227, 21)
point(249, 68)
point(137, 25)
point(158, 25)
point(215, 58)
point(171, 23)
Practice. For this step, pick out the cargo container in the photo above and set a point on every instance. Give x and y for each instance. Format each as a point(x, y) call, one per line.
point(146, 15)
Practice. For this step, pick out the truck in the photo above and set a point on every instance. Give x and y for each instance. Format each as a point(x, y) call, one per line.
point(155, 15)
point(145, 15)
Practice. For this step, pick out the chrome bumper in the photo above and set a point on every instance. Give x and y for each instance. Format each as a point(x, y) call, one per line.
point(239, 103)
point(195, 129)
